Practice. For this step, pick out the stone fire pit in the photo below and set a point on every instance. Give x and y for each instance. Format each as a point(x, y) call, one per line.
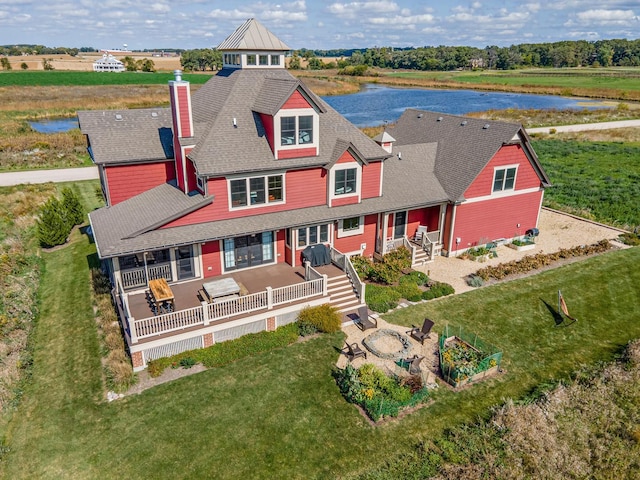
point(388, 344)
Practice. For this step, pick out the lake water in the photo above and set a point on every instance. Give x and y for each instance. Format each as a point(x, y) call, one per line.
point(375, 104)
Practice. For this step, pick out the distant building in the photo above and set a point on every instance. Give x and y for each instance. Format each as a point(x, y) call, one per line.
point(108, 63)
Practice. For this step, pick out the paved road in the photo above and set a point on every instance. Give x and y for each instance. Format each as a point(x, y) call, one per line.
point(91, 173)
point(44, 176)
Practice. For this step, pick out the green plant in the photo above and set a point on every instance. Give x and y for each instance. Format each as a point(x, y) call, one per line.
point(438, 289)
point(52, 225)
point(74, 212)
point(305, 328)
point(630, 238)
point(415, 277)
point(380, 298)
point(410, 291)
point(475, 281)
point(187, 362)
point(363, 265)
point(325, 318)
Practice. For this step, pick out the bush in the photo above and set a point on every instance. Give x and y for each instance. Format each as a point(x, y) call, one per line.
point(475, 281)
point(363, 265)
point(305, 329)
point(325, 318)
point(416, 277)
point(410, 291)
point(381, 299)
point(74, 213)
point(629, 238)
point(187, 362)
point(52, 225)
point(438, 289)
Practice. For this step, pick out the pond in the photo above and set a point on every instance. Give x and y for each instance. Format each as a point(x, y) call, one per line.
point(376, 104)
point(55, 125)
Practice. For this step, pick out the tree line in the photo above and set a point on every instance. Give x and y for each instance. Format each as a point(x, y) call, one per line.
point(17, 50)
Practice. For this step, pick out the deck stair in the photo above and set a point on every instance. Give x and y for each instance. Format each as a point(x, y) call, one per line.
point(342, 294)
point(422, 257)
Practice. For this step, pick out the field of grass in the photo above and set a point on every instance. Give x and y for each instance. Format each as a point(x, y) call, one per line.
point(282, 412)
point(16, 78)
point(595, 180)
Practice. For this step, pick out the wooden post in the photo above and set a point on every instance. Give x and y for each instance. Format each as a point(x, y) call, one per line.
point(205, 313)
point(132, 329)
point(269, 298)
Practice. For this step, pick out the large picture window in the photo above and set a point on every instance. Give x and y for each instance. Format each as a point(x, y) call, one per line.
point(251, 191)
point(346, 181)
point(504, 179)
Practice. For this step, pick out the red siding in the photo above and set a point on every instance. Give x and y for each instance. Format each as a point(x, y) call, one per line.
point(191, 176)
point(346, 157)
point(183, 108)
point(424, 216)
point(296, 101)
point(371, 180)
point(126, 181)
point(339, 201)
point(211, 259)
point(267, 123)
point(353, 243)
point(304, 188)
point(297, 153)
point(526, 176)
point(480, 222)
point(288, 255)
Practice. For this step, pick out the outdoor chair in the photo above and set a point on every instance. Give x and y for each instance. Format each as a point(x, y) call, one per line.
point(363, 320)
point(420, 232)
point(354, 351)
point(420, 334)
point(413, 364)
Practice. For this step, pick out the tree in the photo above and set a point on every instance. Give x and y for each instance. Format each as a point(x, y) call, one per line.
point(46, 64)
point(4, 62)
point(294, 63)
point(130, 64)
point(147, 65)
point(201, 59)
point(52, 225)
point(24, 66)
point(73, 211)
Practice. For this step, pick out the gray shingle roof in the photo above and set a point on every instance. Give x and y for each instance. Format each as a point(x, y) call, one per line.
point(115, 226)
point(223, 148)
point(465, 145)
point(252, 35)
point(123, 136)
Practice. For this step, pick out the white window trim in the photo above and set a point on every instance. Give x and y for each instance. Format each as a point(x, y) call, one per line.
point(515, 179)
point(307, 227)
point(266, 192)
point(349, 233)
point(332, 180)
point(295, 112)
point(201, 183)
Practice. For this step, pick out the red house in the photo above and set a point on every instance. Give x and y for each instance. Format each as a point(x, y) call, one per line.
point(249, 196)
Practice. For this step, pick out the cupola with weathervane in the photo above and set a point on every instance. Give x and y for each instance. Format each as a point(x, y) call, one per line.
point(253, 46)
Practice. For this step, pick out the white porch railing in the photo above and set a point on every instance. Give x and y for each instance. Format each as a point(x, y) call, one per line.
point(343, 262)
point(136, 277)
point(209, 312)
point(411, 247)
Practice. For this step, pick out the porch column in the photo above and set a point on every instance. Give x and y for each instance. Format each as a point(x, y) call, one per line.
point(269, 298)
point(385, 230)
point(132, 329)
point(325, 284)
point(205, 313)
point(443, 213)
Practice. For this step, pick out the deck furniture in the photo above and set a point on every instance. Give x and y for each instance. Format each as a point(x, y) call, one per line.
point(354, 351)
point(363, 320)
point(163, 298)
point(421, 333)
point(223, 287)
point(413, 364)
point(421, 231)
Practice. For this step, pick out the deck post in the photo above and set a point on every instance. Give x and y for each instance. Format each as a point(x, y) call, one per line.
point(132, 329)
point(325, 284)
point(205, 313)
point(269, 298)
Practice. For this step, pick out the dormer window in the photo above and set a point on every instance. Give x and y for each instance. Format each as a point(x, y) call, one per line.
point(251, 59)
point(296, 130)
point(346, 181)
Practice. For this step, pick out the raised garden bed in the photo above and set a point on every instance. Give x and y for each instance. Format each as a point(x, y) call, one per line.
point(466, 358)
point(522, 245)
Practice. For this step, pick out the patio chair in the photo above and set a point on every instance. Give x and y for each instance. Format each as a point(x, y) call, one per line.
point(363, 320)
point(413, 364)
point(421, 231)
point(420, 334)
point(354, 351)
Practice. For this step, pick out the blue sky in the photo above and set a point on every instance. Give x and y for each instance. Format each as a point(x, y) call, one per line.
point(314, 24)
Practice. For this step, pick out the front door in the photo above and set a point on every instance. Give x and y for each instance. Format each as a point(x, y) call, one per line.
point(184, 260)
point(399, 224)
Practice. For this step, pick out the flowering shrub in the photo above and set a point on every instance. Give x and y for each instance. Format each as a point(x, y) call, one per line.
point(378, 394)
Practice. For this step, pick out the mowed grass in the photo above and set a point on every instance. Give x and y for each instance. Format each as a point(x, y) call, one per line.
point(596, 180)
point(280, 415)
point(73, 78)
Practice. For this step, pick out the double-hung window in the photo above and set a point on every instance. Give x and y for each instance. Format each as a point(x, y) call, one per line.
point(504, 179)
point(345, 181)
point(313, 235)
point(296, 130)
point(256, 190)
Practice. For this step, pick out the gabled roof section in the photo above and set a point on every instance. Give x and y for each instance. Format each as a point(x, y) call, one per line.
point(465, 145)
point(276, 91)
point(124, 136)
point(114, 226)
point(252, 35)
point(224, 148)
point(384, 137)
point(339, 149)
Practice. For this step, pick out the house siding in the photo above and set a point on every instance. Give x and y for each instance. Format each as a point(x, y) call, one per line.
point(371, 178)
point(297, 153)
point(339, 202)
point(126, 181)
point(211, 262)
point(354, 242)
point(267, 124)
point(296, 100)
point(428, 217)
point(303, 188)
point(508, 155)
point(191, 176)
point(481, 222)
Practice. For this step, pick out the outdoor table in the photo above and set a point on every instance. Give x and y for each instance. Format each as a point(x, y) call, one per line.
point(162, 294)
point(221, 288)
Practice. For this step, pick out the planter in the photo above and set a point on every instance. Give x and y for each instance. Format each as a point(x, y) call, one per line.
point(461, 363)
point(480, 258)
point(522, 248)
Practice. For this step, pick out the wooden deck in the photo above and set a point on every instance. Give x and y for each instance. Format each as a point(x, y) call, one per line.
point(253, 280)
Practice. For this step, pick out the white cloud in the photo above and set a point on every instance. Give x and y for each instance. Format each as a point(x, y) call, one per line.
point(402, 21)
point(159, 8)
point(234, 14)
point(607, 17)
point(353, 9)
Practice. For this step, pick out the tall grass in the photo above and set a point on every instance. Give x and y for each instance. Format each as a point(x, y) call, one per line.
point(16, 78)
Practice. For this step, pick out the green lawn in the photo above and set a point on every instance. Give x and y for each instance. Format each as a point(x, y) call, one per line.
point(596, 180)
point(71, 78)
point(280, 414)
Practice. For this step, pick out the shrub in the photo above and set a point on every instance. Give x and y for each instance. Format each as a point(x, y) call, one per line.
point(381, 299)
point(475, 281)
point(325, 318)
point(74, 212)
point(363, 265)
point(416, 277)
point(305, 329)
point(629, 238)
point(438, 289)
point(410, 291)
point(187, 362)
point(52, 225)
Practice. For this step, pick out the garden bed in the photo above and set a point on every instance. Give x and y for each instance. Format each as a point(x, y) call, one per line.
point(521, 247)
